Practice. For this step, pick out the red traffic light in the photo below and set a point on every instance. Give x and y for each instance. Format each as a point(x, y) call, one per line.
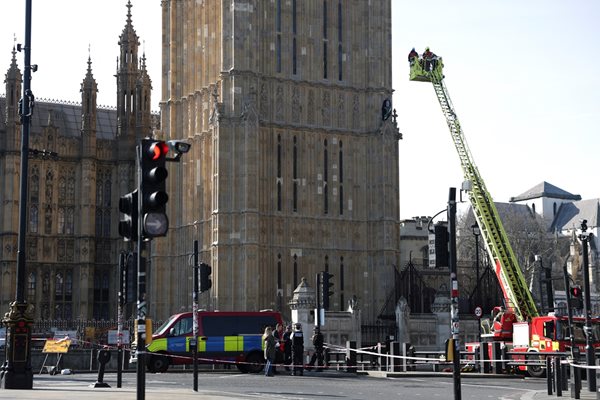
point(158, 150)
point(576, 291)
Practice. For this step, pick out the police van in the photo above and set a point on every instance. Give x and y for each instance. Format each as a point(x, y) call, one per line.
point(223, 336)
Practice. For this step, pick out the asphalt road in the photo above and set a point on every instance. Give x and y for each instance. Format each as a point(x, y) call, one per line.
point(324, 386)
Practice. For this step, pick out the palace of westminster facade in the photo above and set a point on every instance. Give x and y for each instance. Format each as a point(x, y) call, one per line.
point(293, 168)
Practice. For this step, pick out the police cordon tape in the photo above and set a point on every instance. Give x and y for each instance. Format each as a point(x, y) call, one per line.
point(336, 348)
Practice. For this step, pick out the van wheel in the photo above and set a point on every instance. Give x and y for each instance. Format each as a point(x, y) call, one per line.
point(158, 364)
point(256, 363)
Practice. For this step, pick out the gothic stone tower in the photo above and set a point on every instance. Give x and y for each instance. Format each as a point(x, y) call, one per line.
point(292, 169)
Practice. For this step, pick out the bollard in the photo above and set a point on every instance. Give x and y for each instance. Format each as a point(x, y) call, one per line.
point(565, 376)
point(549, 376)
point(558, 376)
point(350, 356)
point(576, 384)
point(103, 359)
point(497, 355)
point(394, 362)
point(484, 356)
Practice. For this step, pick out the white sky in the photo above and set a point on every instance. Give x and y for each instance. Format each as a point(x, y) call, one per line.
point(522, 75)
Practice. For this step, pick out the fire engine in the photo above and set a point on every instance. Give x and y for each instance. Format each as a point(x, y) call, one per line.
point(517, 325)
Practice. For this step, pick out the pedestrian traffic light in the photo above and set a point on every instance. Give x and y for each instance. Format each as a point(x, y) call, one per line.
point(205, 281)
point(326, 285)
point(128, 205)
point(576, 297)
point(153, 186)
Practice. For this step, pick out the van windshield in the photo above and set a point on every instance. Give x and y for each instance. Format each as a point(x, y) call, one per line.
point(163, 328)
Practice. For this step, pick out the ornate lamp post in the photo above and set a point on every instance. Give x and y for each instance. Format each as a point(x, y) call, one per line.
point(16, 371)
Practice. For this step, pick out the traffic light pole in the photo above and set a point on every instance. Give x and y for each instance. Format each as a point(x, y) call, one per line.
point(120, 304)
point(570, 313)
point(141, 289)
point(319, 302)
point(454, 328)
point(587, 310)
point(194, 343)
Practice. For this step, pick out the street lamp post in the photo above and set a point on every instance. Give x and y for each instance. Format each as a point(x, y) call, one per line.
point(587, 309)
point(477, 233)
point(16, 372)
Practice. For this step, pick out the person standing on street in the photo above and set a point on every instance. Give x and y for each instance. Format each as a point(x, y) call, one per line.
point(269, 346)
point(317, 341)
point(278, 334)
point(287, 347)
point(297, 350)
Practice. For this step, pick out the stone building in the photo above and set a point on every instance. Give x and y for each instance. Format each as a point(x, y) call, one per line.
point(294, 161)
point(73, 188)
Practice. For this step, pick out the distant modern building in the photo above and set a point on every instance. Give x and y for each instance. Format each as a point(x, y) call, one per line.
point(545, 199)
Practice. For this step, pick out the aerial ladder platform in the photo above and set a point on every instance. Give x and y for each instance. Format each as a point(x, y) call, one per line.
point(517, 297)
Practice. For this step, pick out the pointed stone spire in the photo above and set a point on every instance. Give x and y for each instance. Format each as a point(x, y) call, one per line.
point(12, 86)
point(89, 94)
point(13, 71)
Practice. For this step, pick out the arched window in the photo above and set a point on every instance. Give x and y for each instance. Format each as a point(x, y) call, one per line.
point(31, 280)
point(61, 220)
point(33, 219)
point(34, 185)
point(325, 178)
point(48, 220)
point(295, 271)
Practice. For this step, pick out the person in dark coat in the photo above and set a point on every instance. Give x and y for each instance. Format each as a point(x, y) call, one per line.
point(430, 59)
point(317, 341)
point(287, 347)
point(298, 350)
point(269, 346)
point(278, 335)
point(412, 56)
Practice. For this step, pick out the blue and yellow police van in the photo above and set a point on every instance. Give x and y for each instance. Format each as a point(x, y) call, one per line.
point(223, 337)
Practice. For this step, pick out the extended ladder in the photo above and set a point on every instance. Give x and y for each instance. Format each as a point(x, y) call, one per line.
point(516, 294)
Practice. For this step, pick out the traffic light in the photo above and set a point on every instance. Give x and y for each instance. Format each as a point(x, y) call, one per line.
point(153, 185)
point(205, 281)
point(326, 285)
point(576, 297)
point(128, 205)
point(438, 246)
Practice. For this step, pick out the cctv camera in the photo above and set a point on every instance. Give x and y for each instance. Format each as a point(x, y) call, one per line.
point(179, 146)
